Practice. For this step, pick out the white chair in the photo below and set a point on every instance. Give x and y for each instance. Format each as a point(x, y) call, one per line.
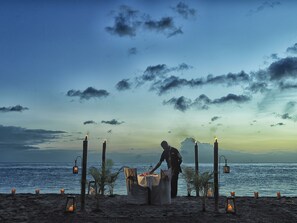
point(161, 194)
point(136, 193)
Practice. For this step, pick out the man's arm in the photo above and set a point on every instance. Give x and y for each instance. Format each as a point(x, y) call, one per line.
point(156, 167)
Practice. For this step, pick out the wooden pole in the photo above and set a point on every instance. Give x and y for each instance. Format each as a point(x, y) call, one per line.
point(215, 172)
point(103, 154)
point(103, 167)
point(84, 173)
point(196, 165)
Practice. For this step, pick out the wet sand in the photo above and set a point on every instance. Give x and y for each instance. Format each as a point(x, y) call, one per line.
point(51, 208)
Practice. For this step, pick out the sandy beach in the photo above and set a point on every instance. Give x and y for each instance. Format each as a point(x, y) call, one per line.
point(50, 208)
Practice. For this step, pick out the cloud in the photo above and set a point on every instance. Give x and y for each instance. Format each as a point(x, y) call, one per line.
point(89, 122)
point(256, 87)
point(123, 85)
point(132, 51)
point(202, 102)
point(125, 22)
point(112, 122)
point(17, 108)
point(184, 10)
point(163, 24)
point(174, 82)
point(283, 68)
point(153, 72)
point(286, 85)
point(264, 5)
point(17, 138)
point(292, 49)
point(290, 106)
point(215, 118)
point(87, 94)
point(128, 22)
point(231, 98)
point(181, 103)
point(277, 124)
point(175, 32)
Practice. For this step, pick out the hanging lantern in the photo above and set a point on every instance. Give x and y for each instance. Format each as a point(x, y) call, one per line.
point(278, 195)
point(37, 191)
point(232, 193)
point(75, 170)
point(230, 205)
point(70, 204)
point(62, 191)
point(226, 167)
point(75, 167)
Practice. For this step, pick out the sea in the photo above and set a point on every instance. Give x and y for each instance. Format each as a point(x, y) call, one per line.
point(244, 178)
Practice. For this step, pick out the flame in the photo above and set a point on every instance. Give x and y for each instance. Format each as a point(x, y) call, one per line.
point(229, 208)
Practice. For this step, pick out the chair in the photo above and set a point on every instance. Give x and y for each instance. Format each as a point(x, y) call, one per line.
point(161, 194)
point(136, 193)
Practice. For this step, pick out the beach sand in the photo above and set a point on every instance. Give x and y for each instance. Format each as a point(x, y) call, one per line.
point(50, 208)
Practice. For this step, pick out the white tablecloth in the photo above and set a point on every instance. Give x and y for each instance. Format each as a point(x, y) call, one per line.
point(149, 180)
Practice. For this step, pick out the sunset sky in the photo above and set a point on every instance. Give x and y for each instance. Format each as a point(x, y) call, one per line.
point(137, 72)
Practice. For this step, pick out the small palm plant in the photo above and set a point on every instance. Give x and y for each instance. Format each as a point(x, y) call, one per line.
point(201, 184)
point(188, 174)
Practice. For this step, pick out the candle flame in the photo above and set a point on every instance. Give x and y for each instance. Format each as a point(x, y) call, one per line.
point(230, 208)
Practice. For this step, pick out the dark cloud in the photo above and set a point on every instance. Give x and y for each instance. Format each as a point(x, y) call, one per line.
point(87, 94)
point(274, 56)
point(283, 68)
point(152, 72)
point(215, 118)
point(125, 22)
point(174, 82)
point(112, 122)
point(17, 138)
point(89, 122)
point(123, 85)
point(17, 108)
point(184, 10)
point(175, 32)
point(109, 131)
point(228, 79)
point(277, 124)
point(132, 51)
point(203, 102)
point(231, 98)
point(292, 49)
point(161, 25)
point(181, 103)
point(256, 87)
point(286, 116)
point(264, 5)
point(287, 85)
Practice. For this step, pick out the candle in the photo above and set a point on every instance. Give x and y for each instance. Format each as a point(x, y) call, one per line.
point(256, 195)
point(209, 192)
point(278, 195)
point(62, 191)
point(232, 193)
point(230, 208)
point(71, 208)
point(37, 191)
point(13, 191)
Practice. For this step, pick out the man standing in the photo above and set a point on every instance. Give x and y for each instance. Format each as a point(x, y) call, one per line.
point(173, 160)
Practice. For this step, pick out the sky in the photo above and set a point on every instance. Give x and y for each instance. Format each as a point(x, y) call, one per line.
point(137, 72)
